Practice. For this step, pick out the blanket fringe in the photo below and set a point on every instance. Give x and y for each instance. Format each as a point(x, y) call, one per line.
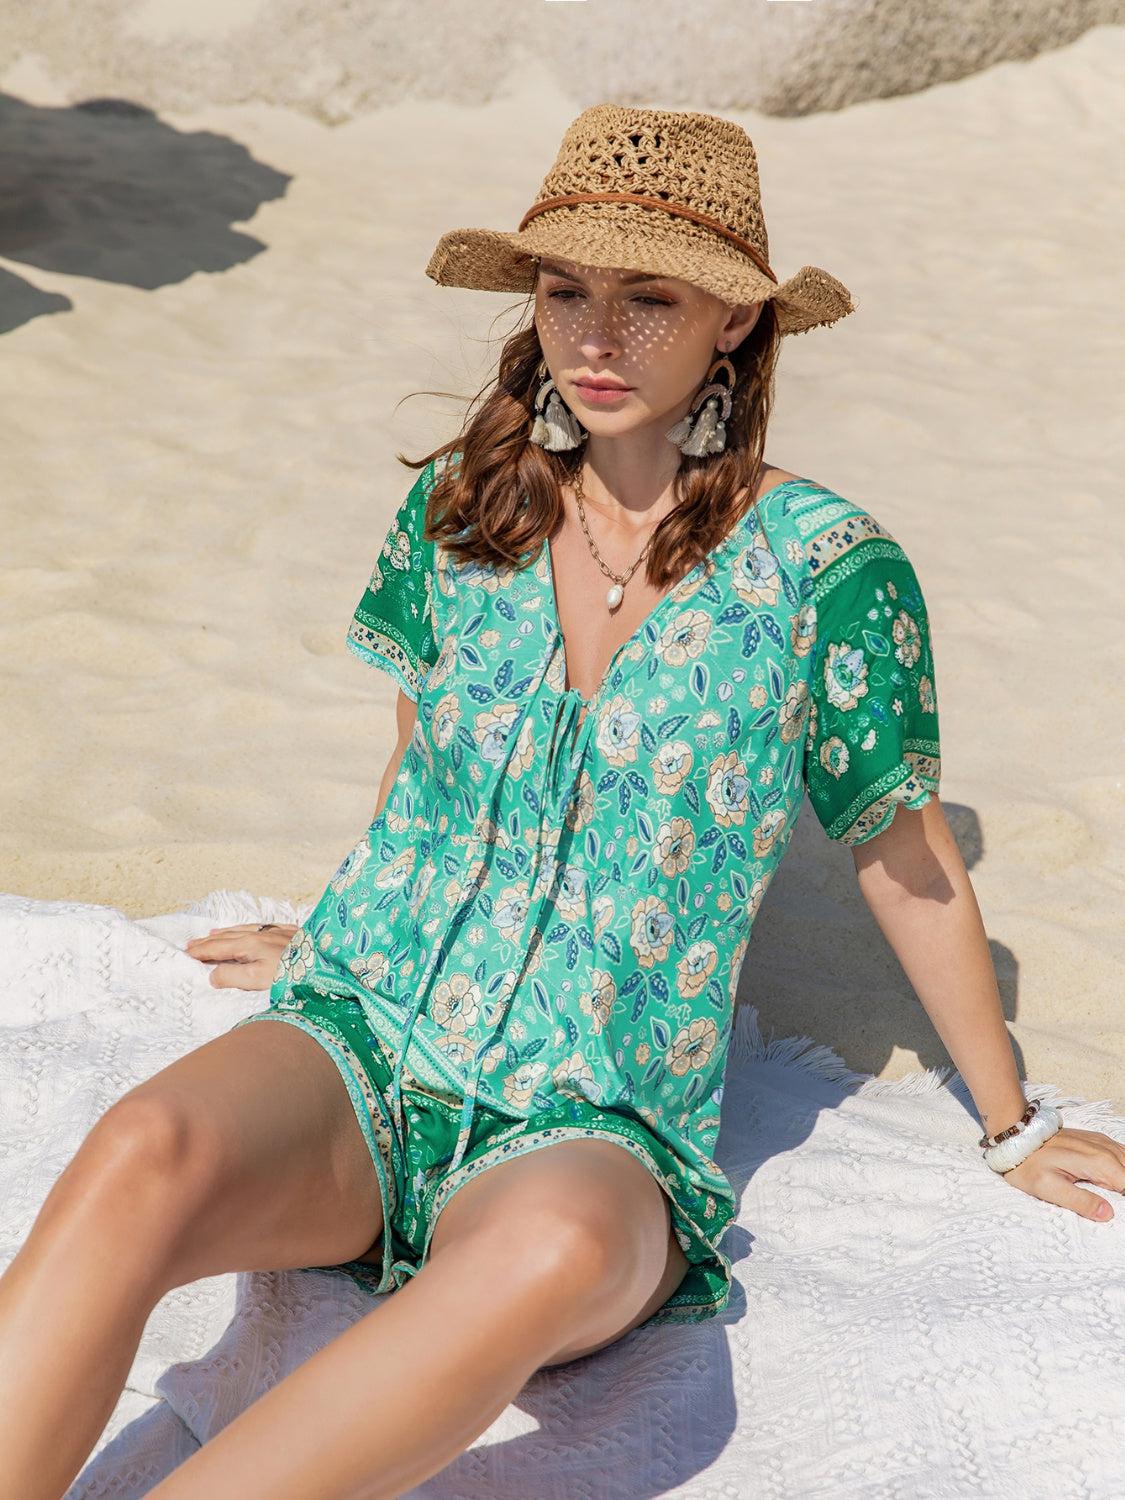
point(819, 1060)
point(244, 906)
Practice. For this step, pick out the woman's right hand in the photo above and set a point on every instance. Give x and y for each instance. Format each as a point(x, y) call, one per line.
point(242, 957)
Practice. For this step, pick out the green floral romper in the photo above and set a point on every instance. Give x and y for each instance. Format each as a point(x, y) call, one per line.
point(540, 935)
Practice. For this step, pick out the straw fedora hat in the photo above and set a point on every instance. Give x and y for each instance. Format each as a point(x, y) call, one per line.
point(671, 192)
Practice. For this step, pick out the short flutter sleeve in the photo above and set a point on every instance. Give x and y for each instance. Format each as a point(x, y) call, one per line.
point(872, 742)
point(393, 624)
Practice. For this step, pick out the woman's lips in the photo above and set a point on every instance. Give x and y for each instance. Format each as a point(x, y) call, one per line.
point(601, 395)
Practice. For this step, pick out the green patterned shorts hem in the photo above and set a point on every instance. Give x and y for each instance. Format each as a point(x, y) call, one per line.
point(415, 1183)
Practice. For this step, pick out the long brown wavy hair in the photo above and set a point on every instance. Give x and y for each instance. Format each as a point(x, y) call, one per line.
point(475, 511)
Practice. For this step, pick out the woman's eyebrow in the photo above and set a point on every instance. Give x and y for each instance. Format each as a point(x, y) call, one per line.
point(633, 276)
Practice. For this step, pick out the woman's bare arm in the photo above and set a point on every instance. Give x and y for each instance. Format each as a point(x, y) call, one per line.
point(917, 888)
point(406, 712)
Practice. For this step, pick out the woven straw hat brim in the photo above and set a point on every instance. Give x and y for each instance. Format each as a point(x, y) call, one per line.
point(492, 260)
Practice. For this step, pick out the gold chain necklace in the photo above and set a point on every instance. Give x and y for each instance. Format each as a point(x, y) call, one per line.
point(616, 593)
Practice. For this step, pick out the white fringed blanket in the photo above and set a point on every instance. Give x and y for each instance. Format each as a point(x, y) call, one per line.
point(904, 1324)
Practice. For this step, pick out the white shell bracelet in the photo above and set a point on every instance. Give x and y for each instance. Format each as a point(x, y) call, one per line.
point(1009, 1153)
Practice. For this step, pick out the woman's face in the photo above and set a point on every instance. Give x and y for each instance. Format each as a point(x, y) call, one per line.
point(657, 335)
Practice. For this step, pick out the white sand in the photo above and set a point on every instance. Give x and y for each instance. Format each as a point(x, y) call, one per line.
point(199, 467)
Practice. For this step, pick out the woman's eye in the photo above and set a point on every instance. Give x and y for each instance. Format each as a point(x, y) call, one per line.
point(568, 292)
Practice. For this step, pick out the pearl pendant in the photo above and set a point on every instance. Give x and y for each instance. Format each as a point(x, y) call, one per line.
point(614, 596)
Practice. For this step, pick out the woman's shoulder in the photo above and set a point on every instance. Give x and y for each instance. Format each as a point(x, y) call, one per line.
point(798, 494)
point(827, 522)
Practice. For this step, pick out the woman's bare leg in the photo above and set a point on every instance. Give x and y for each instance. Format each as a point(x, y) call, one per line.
point(539, 1259)
point(243, 1155)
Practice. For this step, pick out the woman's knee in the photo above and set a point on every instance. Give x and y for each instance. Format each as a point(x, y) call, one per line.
point(581, 1224)
point(132, 1187)
point(613, 1216)
point(146, 1148)
point(579, 1244)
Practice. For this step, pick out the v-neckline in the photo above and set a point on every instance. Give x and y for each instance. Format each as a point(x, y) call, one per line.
point(650, 618)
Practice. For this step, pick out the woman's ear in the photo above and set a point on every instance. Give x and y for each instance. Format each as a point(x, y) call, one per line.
point(741, 323)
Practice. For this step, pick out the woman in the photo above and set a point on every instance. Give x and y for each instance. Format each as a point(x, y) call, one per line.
point(626, 646)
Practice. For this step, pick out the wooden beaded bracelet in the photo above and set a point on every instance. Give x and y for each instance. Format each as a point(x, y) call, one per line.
point(1025, 1119)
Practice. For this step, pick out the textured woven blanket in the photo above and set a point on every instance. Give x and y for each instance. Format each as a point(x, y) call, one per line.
point(904, 1324)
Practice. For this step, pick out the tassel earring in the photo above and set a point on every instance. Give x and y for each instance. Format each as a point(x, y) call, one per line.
point(555, 426)
point(703, 431)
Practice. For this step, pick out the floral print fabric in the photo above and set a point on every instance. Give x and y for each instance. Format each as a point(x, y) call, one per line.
point(412, 1163)
point(556, 904)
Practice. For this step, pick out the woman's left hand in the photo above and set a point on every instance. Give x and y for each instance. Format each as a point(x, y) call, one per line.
point(243, 957)
point(1051, 1171)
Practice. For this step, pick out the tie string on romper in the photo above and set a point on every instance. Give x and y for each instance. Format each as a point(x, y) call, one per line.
point(568, 749)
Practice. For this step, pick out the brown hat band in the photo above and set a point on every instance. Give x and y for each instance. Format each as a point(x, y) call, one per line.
point(671, 208)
